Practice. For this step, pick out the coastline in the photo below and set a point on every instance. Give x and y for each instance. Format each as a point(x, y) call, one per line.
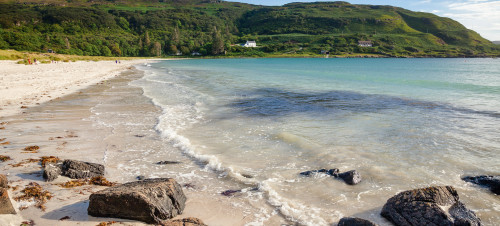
point(23, 86)
point(80, 126)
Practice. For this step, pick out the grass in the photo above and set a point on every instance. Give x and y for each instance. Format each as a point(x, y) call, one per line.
point(22, 57)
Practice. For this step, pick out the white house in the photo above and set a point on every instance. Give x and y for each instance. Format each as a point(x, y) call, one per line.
point(365, 43)
point(250, 44)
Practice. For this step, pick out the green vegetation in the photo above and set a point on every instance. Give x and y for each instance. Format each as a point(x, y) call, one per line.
point(163, 28)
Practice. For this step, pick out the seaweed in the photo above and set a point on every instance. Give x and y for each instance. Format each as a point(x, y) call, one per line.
point(26, 161)
point(107, 223)
point(4, 158)
point(32, 148)
point(34, 191)
point(46, 159)
point(99, 180)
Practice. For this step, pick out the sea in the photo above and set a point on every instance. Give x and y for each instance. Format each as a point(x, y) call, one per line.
point(252, 125)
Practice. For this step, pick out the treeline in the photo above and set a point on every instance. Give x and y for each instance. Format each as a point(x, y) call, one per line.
point(94, 32)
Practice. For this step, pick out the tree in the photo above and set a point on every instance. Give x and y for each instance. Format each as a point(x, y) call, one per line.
point(217, 42)
point(157, 49)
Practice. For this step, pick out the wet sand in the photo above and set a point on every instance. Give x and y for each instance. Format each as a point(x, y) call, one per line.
point(110, 123)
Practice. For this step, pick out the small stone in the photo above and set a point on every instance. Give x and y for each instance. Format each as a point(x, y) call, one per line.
point(51, 171)
point(141, 177)
point(354, 221)
point(230, 192)
point(351, 177)
point(168, 162)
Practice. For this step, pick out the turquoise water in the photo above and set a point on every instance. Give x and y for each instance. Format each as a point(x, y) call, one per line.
point(402, 123)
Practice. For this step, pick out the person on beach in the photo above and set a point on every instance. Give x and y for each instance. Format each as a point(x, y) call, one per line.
point(29, 61)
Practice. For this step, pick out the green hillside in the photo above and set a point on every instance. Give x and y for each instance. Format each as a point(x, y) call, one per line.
point(211, 27)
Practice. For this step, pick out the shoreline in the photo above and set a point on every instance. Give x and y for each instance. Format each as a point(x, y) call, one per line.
point(23, 86)
point(76, 126)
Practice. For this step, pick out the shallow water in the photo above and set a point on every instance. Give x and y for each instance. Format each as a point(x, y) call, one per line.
point(402, 123)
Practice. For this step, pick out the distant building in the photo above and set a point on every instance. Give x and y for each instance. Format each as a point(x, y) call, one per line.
point(51, 51)
point(365, 43)
point(325, 52)
point(194, 53)
point(250, 44)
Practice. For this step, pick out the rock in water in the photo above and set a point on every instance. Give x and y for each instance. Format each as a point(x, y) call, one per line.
point(149, 200)
point(3, 181)
point(81, 170)
point(351, 177)
point(354, 221)
point(429, 206)
point(5, 204)
point(51, 171)
point(492, 182)
point(190, 221)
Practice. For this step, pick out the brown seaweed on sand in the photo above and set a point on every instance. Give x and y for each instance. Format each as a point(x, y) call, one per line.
point(4, 158)
point(107, 223)
point(34, 191)
point(32, 148)
point(26, 161)
point(46, 159)
point(99, 180)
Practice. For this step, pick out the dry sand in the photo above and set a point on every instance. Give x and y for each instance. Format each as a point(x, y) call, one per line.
point(29, 85)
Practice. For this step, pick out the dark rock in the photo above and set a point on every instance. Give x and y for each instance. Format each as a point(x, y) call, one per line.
point(351, 177)
point(190, 221)
point(51, 171)
point(425, 207)
point(230, 192)
point(150, 200)
point(331, 172)
point(492, 182)
point(354, 221)
point(4, 183)
point(168, 162)
point(5, 204)
point(141, 177)
point(81, 170)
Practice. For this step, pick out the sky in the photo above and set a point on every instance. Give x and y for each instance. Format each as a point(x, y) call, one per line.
point(482, 16)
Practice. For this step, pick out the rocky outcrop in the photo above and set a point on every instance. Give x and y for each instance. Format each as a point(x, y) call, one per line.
point(73, 169)
point(491, 182)
point(51, 171)
point(350, 177)
point(190, 221)
point(354, 221)
point(5, 204)
point(150, 200)
point(429, 206)
point(81, 170)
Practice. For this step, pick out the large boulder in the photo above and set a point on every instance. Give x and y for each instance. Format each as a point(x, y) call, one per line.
point(429, 206)
point(5, 204)
point(492, 182)
point(3, 181)
point(81, 170)
point(190, 221)
point(150, 200)
point(354, 221)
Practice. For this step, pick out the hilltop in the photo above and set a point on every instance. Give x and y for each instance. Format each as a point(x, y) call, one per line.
point(214, 27)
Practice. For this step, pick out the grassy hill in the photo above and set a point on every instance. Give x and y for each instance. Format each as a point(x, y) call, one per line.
point(212, 27)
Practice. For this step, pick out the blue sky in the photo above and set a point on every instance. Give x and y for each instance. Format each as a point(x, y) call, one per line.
point(482, 16)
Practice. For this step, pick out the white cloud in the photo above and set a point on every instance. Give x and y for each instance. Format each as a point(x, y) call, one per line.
point(479, 15)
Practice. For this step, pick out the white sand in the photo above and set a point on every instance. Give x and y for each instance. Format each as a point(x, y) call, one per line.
point(29, 85)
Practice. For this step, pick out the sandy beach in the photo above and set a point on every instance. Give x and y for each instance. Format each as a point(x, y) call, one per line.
point(94, 115)
point(29, 85)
